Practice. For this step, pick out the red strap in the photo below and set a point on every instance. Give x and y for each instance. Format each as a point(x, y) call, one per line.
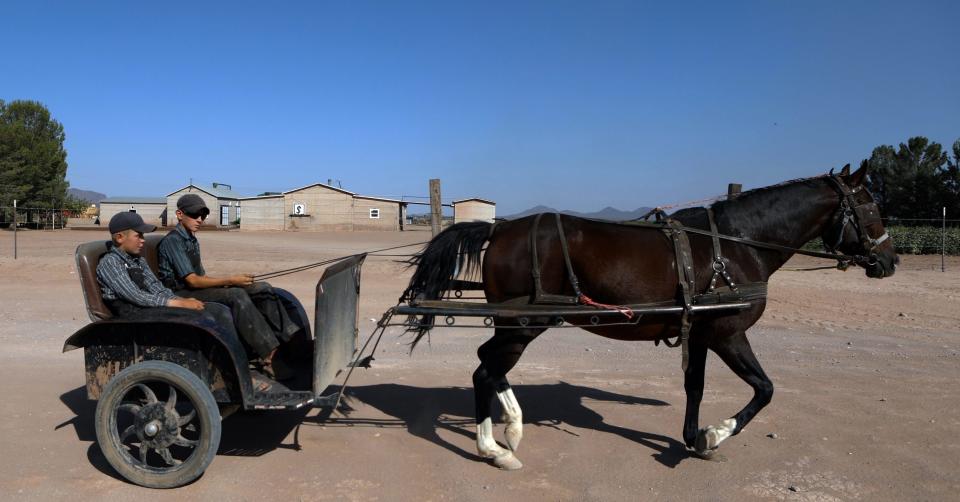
point(586, 300)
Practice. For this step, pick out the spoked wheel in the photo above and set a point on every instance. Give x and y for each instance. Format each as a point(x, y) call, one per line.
point(158, 425)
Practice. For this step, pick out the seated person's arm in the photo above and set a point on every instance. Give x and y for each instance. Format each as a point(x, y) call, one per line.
point(155, 286)
point(196, 281)
point(182, 267)
point(112, 274)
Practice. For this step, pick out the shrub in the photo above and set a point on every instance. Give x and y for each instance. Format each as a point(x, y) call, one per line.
point(913, 240)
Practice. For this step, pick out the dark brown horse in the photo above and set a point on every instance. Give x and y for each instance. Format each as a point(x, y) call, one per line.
point(623, 264)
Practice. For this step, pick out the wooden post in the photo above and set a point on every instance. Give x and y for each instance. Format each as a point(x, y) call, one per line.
point(14, 229)
point(733, 189)
point(436, 210)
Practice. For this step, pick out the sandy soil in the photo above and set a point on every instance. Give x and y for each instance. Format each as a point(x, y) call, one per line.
point(865, 407)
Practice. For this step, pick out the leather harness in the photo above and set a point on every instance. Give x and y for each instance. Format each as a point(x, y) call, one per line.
point(686, 278)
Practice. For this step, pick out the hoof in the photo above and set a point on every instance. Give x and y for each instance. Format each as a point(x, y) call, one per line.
point(513, 438)
point(507, 462)
point(707, 441)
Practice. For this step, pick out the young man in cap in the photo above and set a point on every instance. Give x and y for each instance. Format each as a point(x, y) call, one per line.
point(259, 316)
point(126, 282)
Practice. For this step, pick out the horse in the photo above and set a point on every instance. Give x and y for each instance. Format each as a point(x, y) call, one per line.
point(620, 264)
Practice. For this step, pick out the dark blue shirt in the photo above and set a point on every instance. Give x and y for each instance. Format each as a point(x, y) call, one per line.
point(178, 257)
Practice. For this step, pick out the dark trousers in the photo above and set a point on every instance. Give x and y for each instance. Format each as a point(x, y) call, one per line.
point(219, 314)
point(260, 329)
point(272, 309)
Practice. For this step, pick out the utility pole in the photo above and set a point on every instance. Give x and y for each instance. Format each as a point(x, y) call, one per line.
point(435, 207)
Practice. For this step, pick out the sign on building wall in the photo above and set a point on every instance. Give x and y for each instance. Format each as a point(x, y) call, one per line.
point(299, 209)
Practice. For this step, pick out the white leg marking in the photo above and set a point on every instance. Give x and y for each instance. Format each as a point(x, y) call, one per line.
point(513, 416)
point(717, 434)
point(488, 448)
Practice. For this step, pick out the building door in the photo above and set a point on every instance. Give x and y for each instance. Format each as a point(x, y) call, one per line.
point(224, 215)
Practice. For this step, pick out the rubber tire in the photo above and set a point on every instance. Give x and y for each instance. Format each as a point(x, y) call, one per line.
point(190, 385)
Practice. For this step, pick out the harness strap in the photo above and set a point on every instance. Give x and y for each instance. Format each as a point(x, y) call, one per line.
point(719, 262)
point(687, 281)
point(539, 295)
point(566, 257)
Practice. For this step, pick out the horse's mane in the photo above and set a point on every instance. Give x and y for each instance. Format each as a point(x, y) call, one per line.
point(753, 192)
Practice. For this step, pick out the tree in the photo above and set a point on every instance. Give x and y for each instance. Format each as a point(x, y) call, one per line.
point(33, 161)
point(914, 181)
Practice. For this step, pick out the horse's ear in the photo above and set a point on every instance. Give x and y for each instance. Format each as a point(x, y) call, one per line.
point(858, 177)
point(845, 171)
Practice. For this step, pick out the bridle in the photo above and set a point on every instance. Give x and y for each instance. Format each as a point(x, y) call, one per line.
point(858, 215)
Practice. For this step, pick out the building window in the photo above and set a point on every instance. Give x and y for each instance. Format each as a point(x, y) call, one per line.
point(375, 214)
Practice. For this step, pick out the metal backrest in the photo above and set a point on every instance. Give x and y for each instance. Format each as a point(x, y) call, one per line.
point(88, 257)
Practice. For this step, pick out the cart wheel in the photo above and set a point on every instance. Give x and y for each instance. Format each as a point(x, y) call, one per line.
point(158, 425)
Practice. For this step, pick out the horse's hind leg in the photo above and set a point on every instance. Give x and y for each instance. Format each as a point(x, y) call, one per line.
point(735, 350)
point(497, 357)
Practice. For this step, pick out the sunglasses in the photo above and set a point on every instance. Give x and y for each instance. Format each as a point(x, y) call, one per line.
point(200, 216)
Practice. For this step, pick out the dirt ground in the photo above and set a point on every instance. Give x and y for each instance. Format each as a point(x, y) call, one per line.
point(866, 402)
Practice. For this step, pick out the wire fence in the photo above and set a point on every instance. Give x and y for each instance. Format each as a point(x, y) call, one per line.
point(38, 218)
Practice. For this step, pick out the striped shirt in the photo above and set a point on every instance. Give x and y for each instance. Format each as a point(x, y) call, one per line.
point(115, 283)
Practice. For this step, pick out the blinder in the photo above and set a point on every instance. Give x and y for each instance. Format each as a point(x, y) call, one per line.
point(859, 215)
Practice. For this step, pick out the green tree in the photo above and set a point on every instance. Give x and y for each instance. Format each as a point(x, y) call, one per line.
point(33, 161)
point(915, 180)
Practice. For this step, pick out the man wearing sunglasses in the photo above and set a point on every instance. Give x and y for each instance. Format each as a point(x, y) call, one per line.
point(260, 318)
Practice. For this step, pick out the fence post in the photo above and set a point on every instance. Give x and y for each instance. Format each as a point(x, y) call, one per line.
point(943, 241)
point(436, 209)
point(733, 189)
point(14, 229)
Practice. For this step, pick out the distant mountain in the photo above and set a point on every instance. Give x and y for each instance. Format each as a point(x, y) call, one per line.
point(87, 195)
point(607, 213)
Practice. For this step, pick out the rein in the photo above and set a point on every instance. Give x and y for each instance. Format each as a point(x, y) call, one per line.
point(758, 244)
point(301, 268)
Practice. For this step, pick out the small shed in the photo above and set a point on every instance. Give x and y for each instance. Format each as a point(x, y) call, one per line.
point(474, 209)
point(223, 202)
point(153, 210)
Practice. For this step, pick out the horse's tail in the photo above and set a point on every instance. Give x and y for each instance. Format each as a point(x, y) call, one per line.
point(452, 253)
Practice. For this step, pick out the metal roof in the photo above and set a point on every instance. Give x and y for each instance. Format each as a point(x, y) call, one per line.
point(134, 200)
point(383, 199)
point(271, 196)
point(320, 185)
point(485, 201)
point(218, 192)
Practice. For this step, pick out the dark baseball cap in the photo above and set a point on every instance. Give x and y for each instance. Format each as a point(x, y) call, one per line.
point(193, 205)
point(129, 221)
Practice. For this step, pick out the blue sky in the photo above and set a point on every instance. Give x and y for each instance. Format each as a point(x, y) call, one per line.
point(576, 105)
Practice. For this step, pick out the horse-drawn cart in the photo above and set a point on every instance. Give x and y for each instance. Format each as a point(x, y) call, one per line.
point(165, 380)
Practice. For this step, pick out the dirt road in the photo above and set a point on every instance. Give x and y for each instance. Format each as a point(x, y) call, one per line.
point(866, 402)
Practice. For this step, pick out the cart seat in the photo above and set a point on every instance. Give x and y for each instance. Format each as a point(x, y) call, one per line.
point(88, 257)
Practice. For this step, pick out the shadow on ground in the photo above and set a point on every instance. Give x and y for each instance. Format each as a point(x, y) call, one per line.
point(562, 406)
point(422, 411)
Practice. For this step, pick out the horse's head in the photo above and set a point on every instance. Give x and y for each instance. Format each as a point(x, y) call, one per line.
point(856, 227)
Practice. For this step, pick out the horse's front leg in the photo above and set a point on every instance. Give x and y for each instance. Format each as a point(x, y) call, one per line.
point(693, 385)
point(735, 350)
